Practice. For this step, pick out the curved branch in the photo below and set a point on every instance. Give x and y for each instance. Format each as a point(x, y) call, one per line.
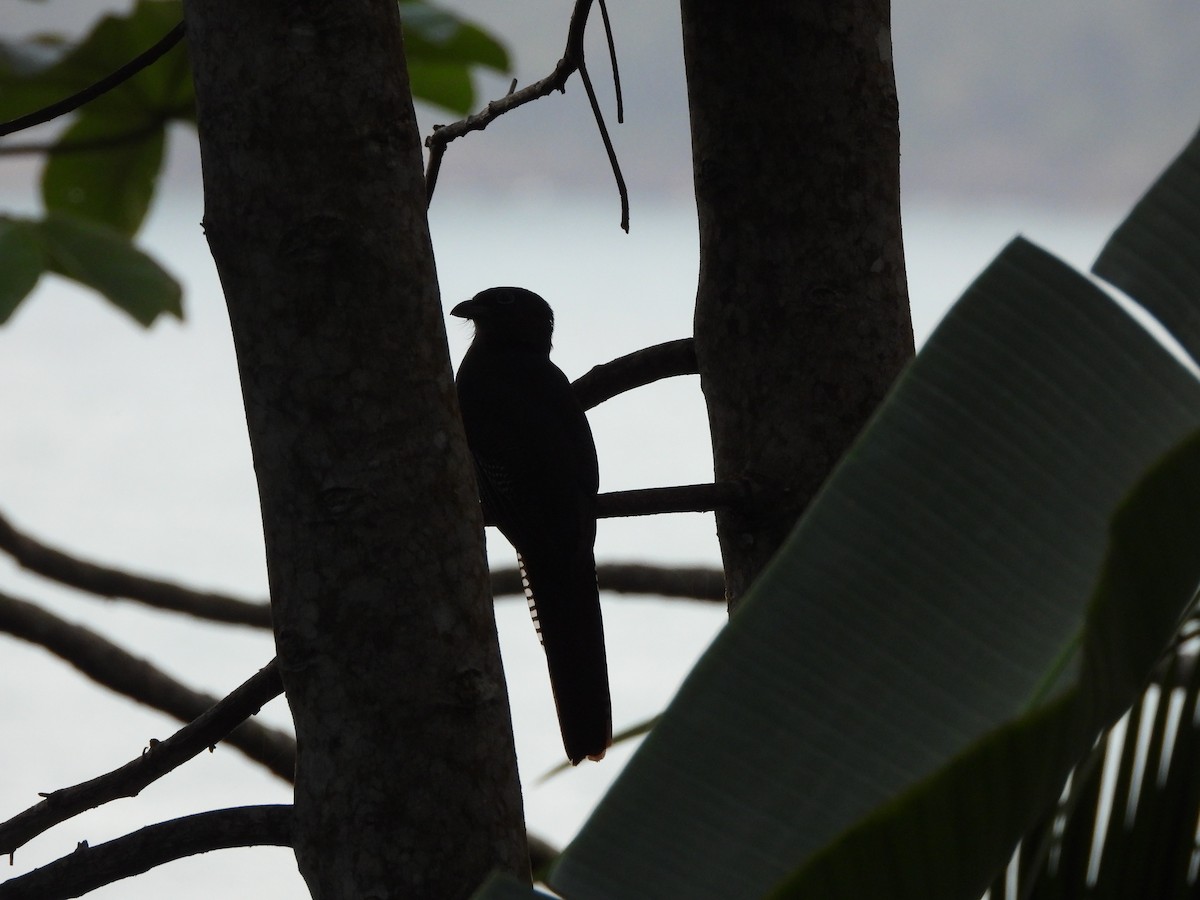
point(92, 91)
point(683, 582)
point(62, 147)
point(622, 191)
point(634, 370)
point(160, 758)
point(107, 664)
point(107, 582)
point(612, 58)
point(572, 61)
point(91, 867)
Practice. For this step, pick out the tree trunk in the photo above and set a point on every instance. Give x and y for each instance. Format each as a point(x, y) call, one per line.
point(802, 318)
point(406, 781)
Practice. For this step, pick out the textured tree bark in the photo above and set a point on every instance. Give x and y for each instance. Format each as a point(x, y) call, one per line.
point(406, 781)
point(802, 318)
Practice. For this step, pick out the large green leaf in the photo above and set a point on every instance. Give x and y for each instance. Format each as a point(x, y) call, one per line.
point(106, 261)
point(113, 181)
point(933, 596)
point(21, 263)
point(1154, 256)
point(911, 678)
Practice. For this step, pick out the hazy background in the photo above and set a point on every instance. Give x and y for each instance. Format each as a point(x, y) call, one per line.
point(1069, 102)
point(129, 447)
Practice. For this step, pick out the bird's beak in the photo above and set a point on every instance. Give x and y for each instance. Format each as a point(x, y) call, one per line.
point(463, 310)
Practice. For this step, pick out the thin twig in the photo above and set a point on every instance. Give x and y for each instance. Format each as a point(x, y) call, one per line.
point(92, 91)
point(442, 135)
point(634, 370)
point(608, 145)
point(572, 60)
point(89, 868)
point(612, 56)
point(107, 664)
point(162, 757)
point(108, 582)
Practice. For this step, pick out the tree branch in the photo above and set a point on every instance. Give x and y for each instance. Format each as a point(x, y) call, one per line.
point(683, 582)
point(572, 61)
point(612, 58)
point(107, 664)
point(624, 578)
point(160, 758)
point(601, 383)
point(634, 370)
point(622, 191)
point(108, 582)
point(91, 867)
point(61, 147)
point(92, 91)
point(683, 498)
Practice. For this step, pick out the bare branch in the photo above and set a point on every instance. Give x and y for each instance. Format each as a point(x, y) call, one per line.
point(601, 383)
point(556, 81)
point(634, 370)
point(91, 867)
point(622, 191)
point(92, 91)
point(61, 147)
point(108, 582)
point(159, 759)
point(612, 57)
point(572, 61)
point(684, 498)
point(107, 664)
point(683, 582)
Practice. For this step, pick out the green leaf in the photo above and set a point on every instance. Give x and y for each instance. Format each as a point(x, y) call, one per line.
point(25, 81)
point(903, 691)
point(435, 35)
point(21, 263)
point(106, 261)
point(111, 181)
point(441, 50)
point(1154, 256)
point(443, 84)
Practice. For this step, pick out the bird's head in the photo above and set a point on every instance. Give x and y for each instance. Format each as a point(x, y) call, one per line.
point(512, 315)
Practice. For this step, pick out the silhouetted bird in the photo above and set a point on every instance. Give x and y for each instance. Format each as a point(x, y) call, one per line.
point(536, 466)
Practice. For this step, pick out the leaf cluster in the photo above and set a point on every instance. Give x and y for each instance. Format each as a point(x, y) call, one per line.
point(102, 169)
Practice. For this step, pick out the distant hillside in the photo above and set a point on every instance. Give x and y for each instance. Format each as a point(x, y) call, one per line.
point(1071, 102)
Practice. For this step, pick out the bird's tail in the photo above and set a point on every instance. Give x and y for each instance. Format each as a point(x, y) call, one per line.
point(565, 604)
